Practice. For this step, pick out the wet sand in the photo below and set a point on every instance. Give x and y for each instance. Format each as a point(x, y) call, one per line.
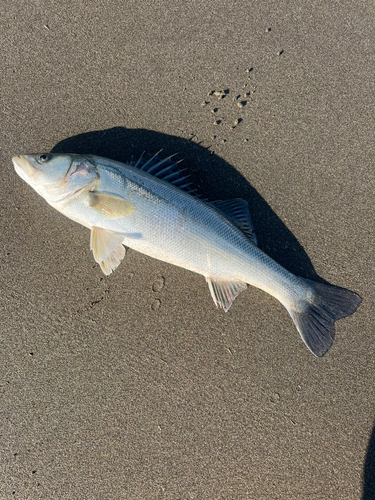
point(134, 386)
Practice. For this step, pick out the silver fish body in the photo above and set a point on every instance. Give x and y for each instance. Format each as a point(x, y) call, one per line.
point(145, 207)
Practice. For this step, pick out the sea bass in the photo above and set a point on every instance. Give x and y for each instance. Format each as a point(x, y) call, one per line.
point(150, 207)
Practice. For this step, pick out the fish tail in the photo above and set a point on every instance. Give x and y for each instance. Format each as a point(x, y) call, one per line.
point(315, 317)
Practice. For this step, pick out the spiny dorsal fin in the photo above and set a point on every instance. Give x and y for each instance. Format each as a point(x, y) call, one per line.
point(224, 292)
point(238, 211)
point(166, 169)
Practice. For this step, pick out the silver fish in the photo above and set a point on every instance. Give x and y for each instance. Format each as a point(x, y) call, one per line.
point(150, 207)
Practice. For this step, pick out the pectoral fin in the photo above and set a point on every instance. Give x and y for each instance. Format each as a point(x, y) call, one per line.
point(107, 248)
point(224, 292)
point(110, 205)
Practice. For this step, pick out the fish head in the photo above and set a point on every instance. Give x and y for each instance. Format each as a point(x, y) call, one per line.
point(57, 177)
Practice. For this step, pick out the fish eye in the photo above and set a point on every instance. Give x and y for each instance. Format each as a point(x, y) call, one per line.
point(43, 158)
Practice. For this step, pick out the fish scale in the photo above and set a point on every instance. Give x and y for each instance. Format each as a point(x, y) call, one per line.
point(149, 207)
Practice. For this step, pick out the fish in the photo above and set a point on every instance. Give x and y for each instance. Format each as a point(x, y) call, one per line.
point(150, 206)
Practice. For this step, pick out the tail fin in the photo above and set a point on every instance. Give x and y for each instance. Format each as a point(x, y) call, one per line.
point(315, 319)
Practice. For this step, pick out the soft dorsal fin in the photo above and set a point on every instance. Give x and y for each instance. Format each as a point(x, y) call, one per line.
point(224, 292)
point(238, 211)
point(166, 169)
point(107, 248)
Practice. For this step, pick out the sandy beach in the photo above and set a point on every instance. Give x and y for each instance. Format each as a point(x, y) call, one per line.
point(134, 386)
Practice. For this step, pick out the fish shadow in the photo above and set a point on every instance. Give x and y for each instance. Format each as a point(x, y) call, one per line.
point(369, 470)
point(214, 178)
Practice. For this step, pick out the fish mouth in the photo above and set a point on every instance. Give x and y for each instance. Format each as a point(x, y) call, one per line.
point(24, 168)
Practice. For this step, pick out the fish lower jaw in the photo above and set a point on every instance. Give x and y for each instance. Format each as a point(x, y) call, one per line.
point(66, 197)
point(24, 169)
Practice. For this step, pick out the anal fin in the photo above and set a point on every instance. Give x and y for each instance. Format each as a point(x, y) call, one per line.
point(224, 292)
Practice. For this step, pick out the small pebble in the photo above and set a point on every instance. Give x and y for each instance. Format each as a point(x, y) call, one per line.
point(249, 70)
point(280, 52)
point(241, 104)
point(219, 94)
point(268, 30)
point(217, 122)
point(215, 110)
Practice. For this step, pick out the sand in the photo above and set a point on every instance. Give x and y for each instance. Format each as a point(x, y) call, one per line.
point(134, 386)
